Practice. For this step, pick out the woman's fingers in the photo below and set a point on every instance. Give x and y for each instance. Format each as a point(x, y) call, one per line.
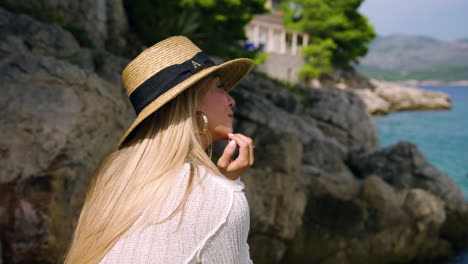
point(242, 159)
point(225, 159)
point(249, 141)
point(246, 155)
point(234, 168)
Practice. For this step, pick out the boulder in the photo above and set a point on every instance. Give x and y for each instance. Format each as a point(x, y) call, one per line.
point(103, 22)
point(454, 228)
point(253, 110)
point(342, 115)
point(403, 166)
point(58, 122)
point(386, 97)
point(380, 225)
point(375, 104)
point(411, 98)
point(21, 33)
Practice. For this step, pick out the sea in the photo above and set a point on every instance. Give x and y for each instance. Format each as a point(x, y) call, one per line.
point(442, 137)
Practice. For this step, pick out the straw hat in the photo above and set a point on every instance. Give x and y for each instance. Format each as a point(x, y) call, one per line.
point(164, 70)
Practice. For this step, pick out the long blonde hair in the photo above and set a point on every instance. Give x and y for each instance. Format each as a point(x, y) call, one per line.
point(136, 179)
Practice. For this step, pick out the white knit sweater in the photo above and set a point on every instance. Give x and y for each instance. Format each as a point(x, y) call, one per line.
point(213, 229)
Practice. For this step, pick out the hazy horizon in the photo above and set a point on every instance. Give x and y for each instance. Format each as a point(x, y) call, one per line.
point(445, 20)
point(421, 35)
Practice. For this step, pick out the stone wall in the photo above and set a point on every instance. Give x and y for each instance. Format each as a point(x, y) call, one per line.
point(284, 67)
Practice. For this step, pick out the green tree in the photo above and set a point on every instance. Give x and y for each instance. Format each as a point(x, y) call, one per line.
point(317, 59)
point(216, 26)
point(334, 26)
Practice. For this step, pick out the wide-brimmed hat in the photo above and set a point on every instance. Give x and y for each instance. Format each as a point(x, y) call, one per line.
point(164, 70)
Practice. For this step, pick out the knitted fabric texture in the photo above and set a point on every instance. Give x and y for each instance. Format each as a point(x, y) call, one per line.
point(213, 229)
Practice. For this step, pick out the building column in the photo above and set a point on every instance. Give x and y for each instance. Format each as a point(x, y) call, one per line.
point(255, 35)
point(294, 43)
point(270, 41)
point(305, 40)
point(283, 42)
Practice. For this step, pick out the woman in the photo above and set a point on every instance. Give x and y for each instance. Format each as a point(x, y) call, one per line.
point(159, 198)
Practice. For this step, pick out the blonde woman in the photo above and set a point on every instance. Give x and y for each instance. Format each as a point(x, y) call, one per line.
point(159, 198)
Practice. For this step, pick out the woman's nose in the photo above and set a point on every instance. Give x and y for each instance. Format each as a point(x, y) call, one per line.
point(231, 101)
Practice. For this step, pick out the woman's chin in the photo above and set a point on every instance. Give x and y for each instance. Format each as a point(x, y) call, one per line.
point(221, 135)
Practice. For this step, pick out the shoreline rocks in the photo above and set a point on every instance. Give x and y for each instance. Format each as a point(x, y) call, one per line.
point(346, 202)
point(383, 97)
point(387, 97)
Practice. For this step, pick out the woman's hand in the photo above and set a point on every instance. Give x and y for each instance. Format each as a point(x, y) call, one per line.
point(232, 169)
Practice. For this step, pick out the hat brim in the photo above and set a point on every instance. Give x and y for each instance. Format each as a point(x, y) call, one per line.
point(231, 73)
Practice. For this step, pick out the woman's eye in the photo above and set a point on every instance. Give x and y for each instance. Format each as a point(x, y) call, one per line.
point(221, 86)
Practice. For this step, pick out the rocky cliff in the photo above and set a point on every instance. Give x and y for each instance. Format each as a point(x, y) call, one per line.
point(321, 190)
point(384, 97)
point(96, 23)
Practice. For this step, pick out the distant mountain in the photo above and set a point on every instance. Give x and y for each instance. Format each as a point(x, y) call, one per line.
point(412, 53)
point(400, 57)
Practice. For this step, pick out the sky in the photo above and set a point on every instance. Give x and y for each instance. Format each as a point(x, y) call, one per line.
point(441, 19)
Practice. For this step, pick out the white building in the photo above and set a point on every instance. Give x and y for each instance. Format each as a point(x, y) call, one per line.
point(283, 46)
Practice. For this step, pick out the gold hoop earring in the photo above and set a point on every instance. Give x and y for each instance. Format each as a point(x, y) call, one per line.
point(205, 123)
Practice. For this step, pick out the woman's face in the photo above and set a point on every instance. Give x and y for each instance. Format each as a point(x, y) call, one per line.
point(216, 104)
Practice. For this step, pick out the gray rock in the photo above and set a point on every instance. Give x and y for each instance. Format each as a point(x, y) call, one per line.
point(103, 21)
point(343, 116)
point(323, 162)
point(411, 98)
point(384, 205)
point(375, 104)
point(256, 108)
point(58, 121)
point(454, 228)
point(23, 33)
point(403, 166)
point(427, 209)
point(267, 249)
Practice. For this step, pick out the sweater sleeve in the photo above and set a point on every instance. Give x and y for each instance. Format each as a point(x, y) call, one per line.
point(229, 244)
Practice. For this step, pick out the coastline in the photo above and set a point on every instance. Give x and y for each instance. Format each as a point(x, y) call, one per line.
point(386, 97)
point(440, 157)
point(431, 83)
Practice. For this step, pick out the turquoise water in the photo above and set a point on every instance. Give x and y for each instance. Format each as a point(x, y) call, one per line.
point(442, 137)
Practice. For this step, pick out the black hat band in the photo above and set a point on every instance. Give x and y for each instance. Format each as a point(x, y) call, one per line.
point(167, 78)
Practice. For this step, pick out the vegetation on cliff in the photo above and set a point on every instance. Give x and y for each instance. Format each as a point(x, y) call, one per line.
point(216, 26)
point(339, 33)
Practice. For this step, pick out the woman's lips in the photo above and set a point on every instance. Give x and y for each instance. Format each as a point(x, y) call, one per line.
point(231, 115)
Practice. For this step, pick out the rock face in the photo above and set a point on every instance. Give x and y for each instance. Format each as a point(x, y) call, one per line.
point(344, 79)
point(384, 97)
point(321, 191)
point(104, 21)
point(346, 201)
point(388, 97)
point(58, 121)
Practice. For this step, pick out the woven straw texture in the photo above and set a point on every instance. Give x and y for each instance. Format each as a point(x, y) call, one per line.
point(175, 50)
